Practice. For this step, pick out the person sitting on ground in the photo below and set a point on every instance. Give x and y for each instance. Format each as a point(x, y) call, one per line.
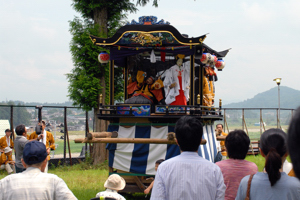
point(235, 168)
point(33, 183)
point(272, 183)
point(145, 92)
point(113, 184)
point(157, 163)
point(294, 141)
point(6, 141)
point(6, 160)
point(188, 176)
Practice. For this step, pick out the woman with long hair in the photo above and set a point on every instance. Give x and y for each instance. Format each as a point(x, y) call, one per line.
point(272, 183)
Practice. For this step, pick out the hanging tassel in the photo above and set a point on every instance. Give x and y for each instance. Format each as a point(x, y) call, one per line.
point(163, 55)
point(152, 57)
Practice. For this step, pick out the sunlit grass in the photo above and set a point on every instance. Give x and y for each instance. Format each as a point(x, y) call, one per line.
point(86, 180)
point(74, 147)
point(258, 160)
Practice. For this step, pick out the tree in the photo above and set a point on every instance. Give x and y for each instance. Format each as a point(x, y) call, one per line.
point(89, 78)
point(20, 114)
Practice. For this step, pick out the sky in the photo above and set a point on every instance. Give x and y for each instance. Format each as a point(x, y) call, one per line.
point(263, 36)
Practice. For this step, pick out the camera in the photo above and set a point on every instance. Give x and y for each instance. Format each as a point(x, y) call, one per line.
point(38, 129)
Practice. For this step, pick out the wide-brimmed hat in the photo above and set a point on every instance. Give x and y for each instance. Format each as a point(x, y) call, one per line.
point(7, 149)
point(115, 182)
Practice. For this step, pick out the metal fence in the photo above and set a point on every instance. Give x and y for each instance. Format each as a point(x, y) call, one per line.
point(254, 121)
point(68, 123)
point(64, 122)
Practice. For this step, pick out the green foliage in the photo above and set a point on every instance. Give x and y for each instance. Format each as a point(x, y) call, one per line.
point(85, 87)
point(144, 2)
point(116, 9)
point(20, 114)
point(84, 80)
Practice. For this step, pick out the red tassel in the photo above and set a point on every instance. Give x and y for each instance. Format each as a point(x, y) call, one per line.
point(163, 55)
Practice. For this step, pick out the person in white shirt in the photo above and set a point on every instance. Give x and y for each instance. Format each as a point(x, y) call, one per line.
point(33, 183)
point(188, 176)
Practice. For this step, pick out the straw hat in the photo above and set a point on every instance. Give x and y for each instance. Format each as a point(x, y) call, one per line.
point(115, 182)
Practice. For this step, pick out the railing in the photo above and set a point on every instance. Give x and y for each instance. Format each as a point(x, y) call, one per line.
point(252, 120)
point(60, 122)
point(264, 118)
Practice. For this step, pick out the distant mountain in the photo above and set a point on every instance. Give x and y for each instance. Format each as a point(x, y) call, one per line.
point(289, 98)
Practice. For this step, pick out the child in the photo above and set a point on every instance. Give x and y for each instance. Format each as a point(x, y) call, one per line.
point(157, 163)
point(113, 184)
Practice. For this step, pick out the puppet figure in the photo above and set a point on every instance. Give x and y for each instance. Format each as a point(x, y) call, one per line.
point(177, 82)
point(145, 92)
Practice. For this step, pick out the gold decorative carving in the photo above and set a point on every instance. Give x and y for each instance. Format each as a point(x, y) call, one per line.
point(202, 39)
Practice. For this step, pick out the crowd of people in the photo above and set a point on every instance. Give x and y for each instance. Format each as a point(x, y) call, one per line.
point(186, 176)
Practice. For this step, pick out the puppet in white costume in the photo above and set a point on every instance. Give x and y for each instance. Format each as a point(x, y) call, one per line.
point(177, 83)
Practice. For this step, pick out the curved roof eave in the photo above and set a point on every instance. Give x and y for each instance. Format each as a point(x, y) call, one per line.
point(148, 29)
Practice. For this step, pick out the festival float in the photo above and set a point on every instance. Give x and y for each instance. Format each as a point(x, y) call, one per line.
point(166, 75)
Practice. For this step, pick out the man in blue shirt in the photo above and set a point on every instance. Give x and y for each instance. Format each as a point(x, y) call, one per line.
point(188, 176)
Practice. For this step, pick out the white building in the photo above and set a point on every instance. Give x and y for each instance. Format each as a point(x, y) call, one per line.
point(4, 124)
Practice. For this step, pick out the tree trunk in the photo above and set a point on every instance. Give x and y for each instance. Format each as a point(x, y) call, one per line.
point(100, 17)
point(99, 151)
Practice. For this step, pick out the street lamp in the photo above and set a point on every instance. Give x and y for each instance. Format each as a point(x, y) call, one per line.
point(278, 80)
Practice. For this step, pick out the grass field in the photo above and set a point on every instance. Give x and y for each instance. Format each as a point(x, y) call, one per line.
point(86, 180)
point(74, 147)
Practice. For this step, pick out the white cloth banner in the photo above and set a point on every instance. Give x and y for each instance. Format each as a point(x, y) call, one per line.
point(156, 152)
point(142, 158)
point(123, 153)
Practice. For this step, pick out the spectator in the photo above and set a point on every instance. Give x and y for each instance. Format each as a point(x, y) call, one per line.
point(235, 168)
point(188, 176)
point(20, 142)
point(33, 183)
point(113, 184)
point(6, 160)
point(294, 141)
point(157, 163)
point(288, 168)
point(6, 141)
point(220, 132)
point(47, 139)
point(272, 183)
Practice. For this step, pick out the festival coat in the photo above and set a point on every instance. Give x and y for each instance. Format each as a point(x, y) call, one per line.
point(3, 143)
point(49, 140)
